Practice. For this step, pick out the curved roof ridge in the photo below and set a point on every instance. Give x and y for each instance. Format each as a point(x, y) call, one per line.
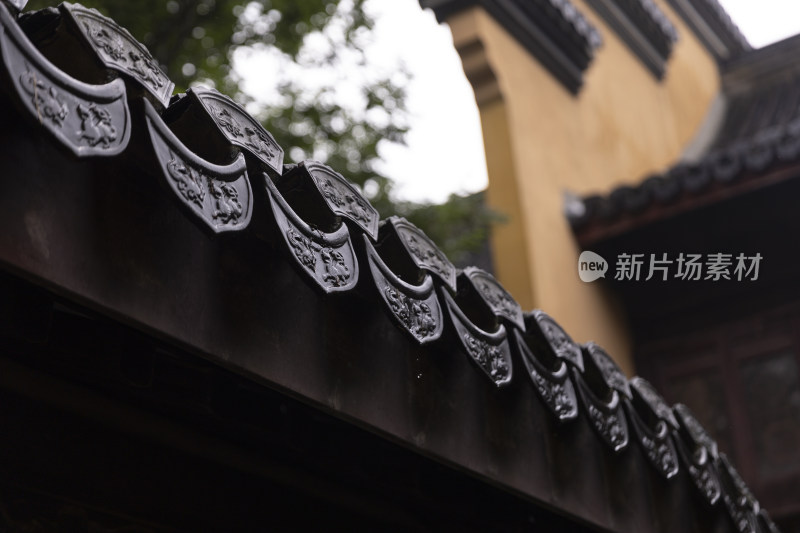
point(317, 224)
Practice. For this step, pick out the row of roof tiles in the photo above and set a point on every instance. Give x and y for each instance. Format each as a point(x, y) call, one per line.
point(757, 132)
point(742, 160)
point(220, 165)
point(561, 37)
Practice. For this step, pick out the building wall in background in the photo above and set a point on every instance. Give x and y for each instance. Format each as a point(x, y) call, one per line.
point(541, 141)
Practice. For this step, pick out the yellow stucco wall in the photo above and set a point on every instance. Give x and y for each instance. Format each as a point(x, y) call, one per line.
point(542, 141)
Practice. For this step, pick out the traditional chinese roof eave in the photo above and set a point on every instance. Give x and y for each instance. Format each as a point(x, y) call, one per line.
point(180, 229)
point(713, 26)
point(750, 139)
point(750, 69)
point(619, 219)
point(555, 32)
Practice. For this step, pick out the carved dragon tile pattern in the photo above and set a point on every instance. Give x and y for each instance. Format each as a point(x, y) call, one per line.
point(554, 388)
point(89, 120)
point(328, 258)
point(606, 416)
point(189, 181)
point(425, 254)
point(344, 199)
point(304, 249)
point(415, 315)
point(698, 463)
point(660, 453)
point(559, 397)
point(653, 400)
point(488, 356)
point(739, 486)
point(500, 302)
point(561, 343)
point(705, 481)
point(224, 208)
point(226, 121)
point(740, 502)
point(44, 97)
point(503, 302)
point(249, 136)
point(415, 308)
point(240, 128)
point(695, 429)
point(655, 439)
point(611, 372)
point(741, 516)
point(611, 427)
point(335, 271)
point(259, 142)
point(97, 127)
point(227, 208)
point(96, 124)
point(118, 50)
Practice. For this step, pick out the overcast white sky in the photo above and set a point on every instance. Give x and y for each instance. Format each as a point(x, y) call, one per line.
point(764, 21)
point(445, 148)
point(444, 152)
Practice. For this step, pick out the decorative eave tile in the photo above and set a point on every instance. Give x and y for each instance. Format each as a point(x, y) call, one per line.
point(327, 258)
point(239, 127)
point(696, 456)
point(553, 386)
point(88, 120)
point(489, 351)
point(657, 445)
point(611, 372)
point(739, 501)
point(605, 415)
point(602, 398)
point(424, 251)
point(414, 308)
point(342, 197)
point(117, 50)
point(558, 339)
point(693, 430)
point(644, 391)
point(16, 5)
point(495, 296)
point(220, 197)
point(765, 522)
point(647, 414)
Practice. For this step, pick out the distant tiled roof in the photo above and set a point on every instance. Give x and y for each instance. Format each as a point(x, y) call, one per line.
point(758, 133)
point(714, 27)
point(554, 31)
point(224, 171)
point(643, 27)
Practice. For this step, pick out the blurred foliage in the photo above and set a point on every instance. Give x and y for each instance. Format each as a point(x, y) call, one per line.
point(194, 41)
